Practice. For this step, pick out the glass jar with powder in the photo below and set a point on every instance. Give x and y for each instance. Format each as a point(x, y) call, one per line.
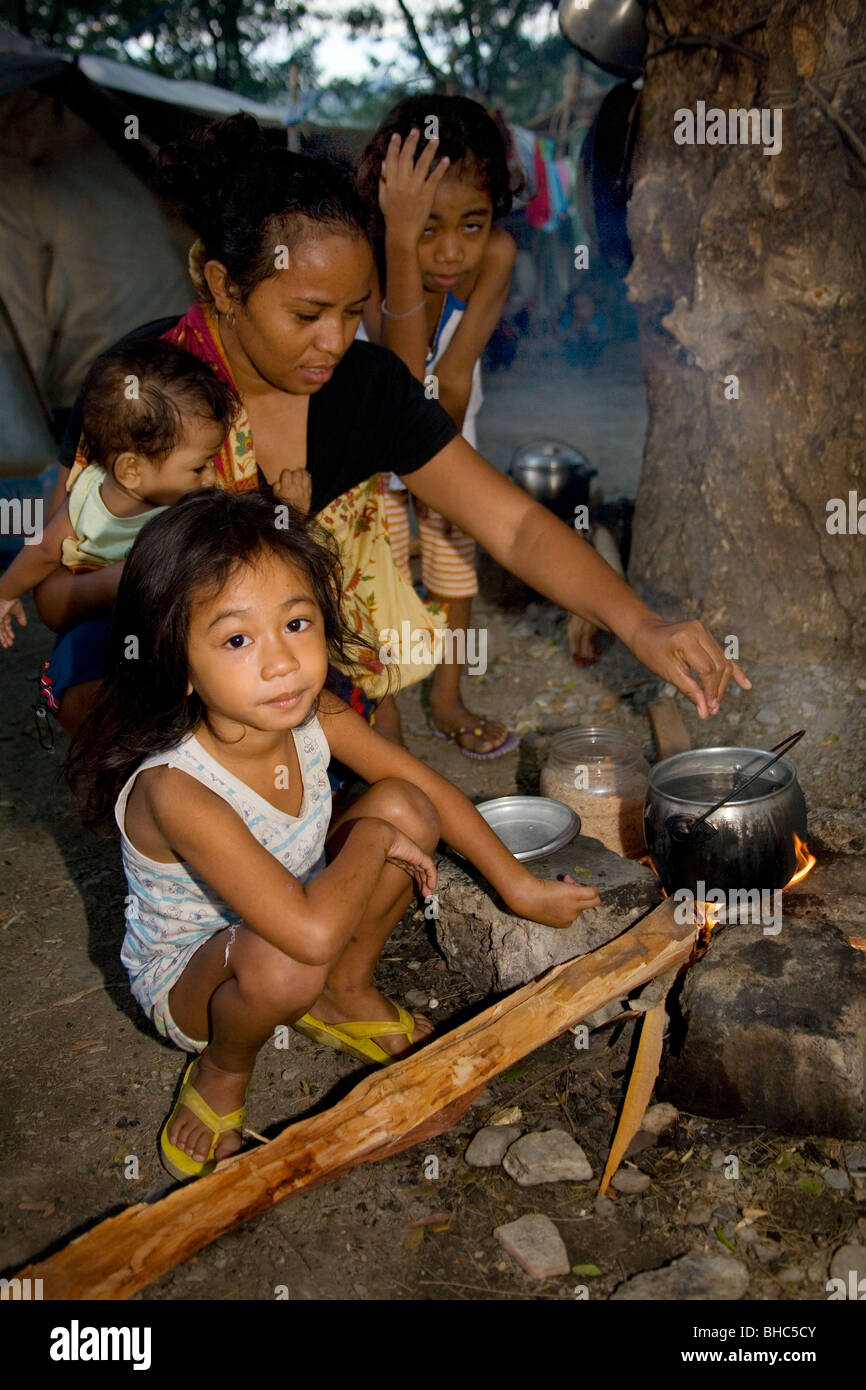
point(602, 775)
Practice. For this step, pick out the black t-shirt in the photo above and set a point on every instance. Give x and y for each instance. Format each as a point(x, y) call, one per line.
point(371, 417)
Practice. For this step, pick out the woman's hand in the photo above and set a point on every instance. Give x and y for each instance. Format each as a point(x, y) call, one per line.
point(552, 902)
point(674, 650)
point(411, 858)
point(10, 608)
point(295, 486)
point(407, 189)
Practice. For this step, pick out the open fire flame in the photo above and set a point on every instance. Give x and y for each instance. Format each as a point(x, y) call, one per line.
point(805, 862)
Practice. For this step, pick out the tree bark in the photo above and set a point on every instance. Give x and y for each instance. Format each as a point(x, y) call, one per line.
point(752, 266)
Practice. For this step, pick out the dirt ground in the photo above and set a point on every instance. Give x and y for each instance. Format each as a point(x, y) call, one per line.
point(86, 1083)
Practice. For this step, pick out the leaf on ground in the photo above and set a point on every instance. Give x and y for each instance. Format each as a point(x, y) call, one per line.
point(434, 1219)
point(513, 1073)
point(507, 1115)
point(592, 1271)
point(44, 1208)
point(720, 1235)
point(414, 1238)
point(807, 1182)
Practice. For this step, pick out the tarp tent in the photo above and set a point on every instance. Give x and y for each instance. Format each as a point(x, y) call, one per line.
point(86, 249)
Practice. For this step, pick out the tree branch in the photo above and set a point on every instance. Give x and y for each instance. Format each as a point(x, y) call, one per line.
point(420, 51)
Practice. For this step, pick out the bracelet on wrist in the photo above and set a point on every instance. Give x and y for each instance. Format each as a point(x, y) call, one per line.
point(408, 314)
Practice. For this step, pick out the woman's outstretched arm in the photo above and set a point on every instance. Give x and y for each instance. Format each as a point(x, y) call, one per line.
point(533, 544)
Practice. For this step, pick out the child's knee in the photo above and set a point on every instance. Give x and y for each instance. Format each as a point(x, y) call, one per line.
point(283, 988)
point(410, 809)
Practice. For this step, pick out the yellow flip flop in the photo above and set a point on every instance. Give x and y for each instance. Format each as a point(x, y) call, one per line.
point(178, 1163)
point(357, 1038)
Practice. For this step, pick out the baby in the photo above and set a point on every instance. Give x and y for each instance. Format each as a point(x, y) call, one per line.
point(153, 417)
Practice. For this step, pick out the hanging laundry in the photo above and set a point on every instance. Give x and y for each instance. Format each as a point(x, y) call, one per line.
point(524, 144)
point(538, 208)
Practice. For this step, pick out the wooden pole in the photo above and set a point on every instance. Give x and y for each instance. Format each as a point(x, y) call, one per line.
point(394, 1108)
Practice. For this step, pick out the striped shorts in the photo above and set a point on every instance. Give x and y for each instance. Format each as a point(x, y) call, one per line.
point(447, 554)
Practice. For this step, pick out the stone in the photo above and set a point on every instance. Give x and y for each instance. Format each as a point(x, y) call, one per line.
point(846, 1258)
point(603, 1206)
point(488, 1147)
point(836, 831)
point(775, 1030)
point(767, 1250)
point(660, 1117)
point(630, 1182)
point(497, 951)
point(855, 1160)
point(699, 1214)
point(416, 999)
point(640, 1141)
point(535, 1243)
point(548, 1155)
point(791, 1274)
point(689, 1279)
point(768, 717)
point(835, 1178)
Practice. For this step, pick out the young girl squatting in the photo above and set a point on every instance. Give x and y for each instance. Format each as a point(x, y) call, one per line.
point(249, 905)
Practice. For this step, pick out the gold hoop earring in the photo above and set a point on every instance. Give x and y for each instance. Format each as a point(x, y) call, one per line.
point(230, 318)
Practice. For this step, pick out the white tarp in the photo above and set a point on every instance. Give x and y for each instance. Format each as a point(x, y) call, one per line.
point(86, 254)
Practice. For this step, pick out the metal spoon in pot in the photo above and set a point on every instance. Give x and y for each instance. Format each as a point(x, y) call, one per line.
point(681, 828)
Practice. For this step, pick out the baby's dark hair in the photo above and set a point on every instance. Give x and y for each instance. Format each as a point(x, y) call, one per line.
point(245, 196)
point(138, 396)
point(190, 549)
point(469, 138)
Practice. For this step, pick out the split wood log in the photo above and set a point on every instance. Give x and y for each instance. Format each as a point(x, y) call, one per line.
point(394, 1108)
point(669, 731)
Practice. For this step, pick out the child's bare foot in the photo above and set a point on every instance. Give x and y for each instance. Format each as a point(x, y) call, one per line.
point(364, 1005)
point(224, 1092)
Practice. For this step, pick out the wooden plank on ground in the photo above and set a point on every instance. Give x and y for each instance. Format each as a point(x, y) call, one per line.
point(392, 1109)
point(670, 733)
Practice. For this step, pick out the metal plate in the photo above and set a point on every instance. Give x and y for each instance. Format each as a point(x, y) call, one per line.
point(530, 826)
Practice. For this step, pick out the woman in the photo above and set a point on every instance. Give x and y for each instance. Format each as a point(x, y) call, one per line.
point(288, 269)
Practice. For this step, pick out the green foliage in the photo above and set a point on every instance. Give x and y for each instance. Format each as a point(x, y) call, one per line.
point(500, 51)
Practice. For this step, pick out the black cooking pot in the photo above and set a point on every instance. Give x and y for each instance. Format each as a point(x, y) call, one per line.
point(750, 842)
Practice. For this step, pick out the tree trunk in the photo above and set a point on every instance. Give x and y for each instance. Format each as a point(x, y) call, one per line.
point(751, 266)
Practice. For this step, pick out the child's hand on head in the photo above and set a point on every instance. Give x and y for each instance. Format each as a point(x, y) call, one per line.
point(406, 189)
point(10, 608)
point(553, 902)
point(408, 856)
point(295, 486)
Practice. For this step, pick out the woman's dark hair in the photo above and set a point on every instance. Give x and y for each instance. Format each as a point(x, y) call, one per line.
point(137, 396)
point(467, 136)
point(194, 546)
point(245, 196)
